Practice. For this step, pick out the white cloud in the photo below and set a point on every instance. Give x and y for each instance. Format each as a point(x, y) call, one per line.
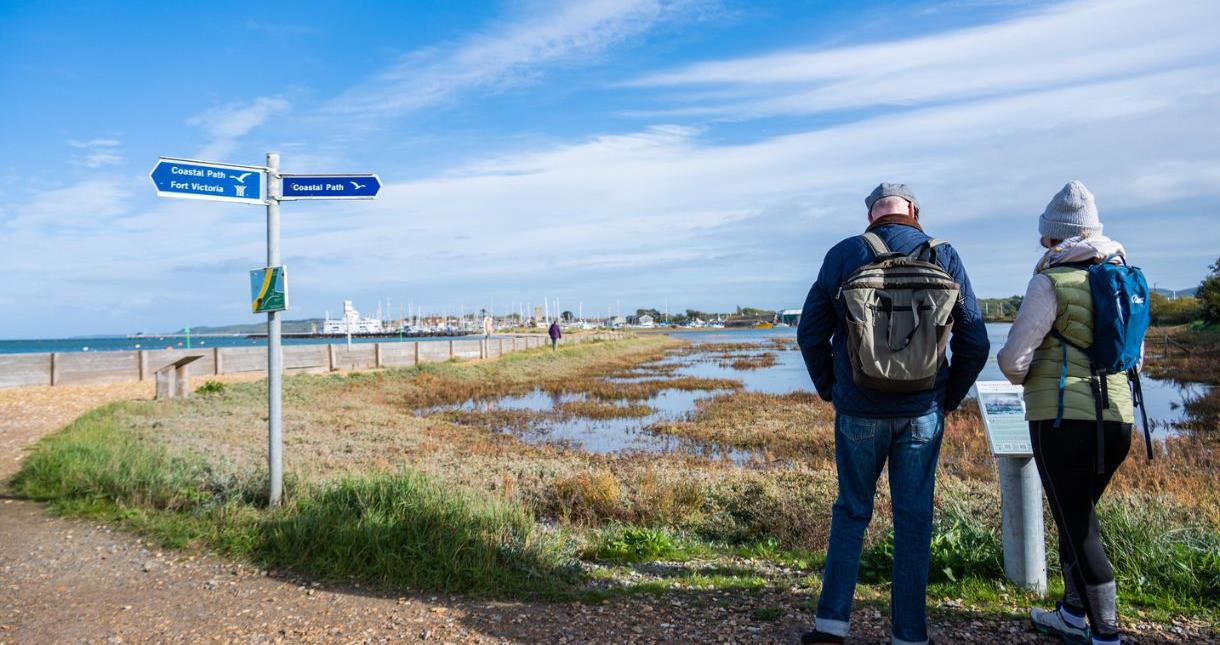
point(987, 134)
point(505, 54)
point(226, 124)
point(1061, 46)
point(668, 197)
point(84, 204)
point(98, 152)
point(94, 143)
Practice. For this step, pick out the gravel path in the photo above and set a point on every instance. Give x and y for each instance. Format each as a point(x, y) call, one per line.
point(73, 581)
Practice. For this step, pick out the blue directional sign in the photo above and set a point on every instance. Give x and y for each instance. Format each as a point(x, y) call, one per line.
point(190, 179)
point(330, 186)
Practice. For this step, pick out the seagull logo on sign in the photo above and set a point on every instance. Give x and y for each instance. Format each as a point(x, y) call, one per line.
point(242, 177)
point(358, 186)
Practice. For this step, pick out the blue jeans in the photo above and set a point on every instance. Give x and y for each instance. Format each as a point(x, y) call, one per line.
point(862, 447)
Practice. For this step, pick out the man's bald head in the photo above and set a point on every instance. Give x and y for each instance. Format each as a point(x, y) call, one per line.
point(892, 199)
point(891, 206)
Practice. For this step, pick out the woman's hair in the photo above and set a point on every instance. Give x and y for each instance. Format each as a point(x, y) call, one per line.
point(1050, 243)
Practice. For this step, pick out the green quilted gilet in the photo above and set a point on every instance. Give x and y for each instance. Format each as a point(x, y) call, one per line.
point(1075, 321)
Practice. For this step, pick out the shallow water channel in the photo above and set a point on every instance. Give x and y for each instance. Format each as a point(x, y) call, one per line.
point(788, 373)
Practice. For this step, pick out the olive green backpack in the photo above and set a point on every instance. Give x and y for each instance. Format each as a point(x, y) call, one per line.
point(899, 314)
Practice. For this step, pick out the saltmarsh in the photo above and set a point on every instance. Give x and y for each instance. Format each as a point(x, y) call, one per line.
point(394, 468)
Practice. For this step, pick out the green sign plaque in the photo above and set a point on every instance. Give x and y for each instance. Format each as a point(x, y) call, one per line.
point(268, 290)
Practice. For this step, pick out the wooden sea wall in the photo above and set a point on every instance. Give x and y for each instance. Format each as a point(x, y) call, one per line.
point(74, 368)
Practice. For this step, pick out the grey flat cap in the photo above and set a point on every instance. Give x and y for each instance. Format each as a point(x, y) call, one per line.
point(891, 190)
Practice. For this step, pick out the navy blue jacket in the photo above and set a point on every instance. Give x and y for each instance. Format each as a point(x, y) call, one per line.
point(822, 333)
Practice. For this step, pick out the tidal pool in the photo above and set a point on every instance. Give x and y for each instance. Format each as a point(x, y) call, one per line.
point(1164, 399)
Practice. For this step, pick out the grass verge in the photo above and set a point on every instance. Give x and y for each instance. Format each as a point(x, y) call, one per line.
point(389, 530)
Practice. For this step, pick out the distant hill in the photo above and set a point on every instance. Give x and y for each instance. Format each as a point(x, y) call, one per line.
point(1181, 292)
point(294, 326)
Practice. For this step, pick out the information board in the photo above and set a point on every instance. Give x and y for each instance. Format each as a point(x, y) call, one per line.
point(1003, 408)
point(268, 290)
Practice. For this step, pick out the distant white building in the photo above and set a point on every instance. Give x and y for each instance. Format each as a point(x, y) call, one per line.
point(351, 322)
point(790, 316)
point(647, 322)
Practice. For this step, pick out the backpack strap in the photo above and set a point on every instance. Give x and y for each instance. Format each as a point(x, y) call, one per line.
point(926, 252)
point(1063, 376)
point(1137, 392)
point(1097, 383)
point(876, 244)
point(1112, 256)
point(1064, 343)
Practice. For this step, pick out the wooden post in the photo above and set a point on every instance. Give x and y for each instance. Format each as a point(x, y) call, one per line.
point(216, 361)
point(416, 353)
point(167, 383)
point(330, 357)
point(376, 354)
point(54, 369)
point(450, 349)
point(501, 346)
point(142, 359)
point(182, 381)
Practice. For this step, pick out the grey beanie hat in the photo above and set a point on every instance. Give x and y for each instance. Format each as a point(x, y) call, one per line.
point(891, 190)
point(1070, 213)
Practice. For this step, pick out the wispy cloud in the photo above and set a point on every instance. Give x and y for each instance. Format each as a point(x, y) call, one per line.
point(224, 125)
point(986, 123)
point(1060, 46)
point(505, 54)
point(772, 206)
point(97, 152)
point(85, 205)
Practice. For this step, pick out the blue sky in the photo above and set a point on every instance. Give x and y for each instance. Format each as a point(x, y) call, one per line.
point(703, 153)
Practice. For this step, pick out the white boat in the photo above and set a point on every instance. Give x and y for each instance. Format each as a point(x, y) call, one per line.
point(352, 323)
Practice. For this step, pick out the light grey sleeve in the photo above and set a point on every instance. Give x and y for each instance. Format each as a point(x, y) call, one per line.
point(1034, 321)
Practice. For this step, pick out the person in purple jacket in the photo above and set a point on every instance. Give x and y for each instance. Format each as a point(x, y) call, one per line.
point(555, 335)
point(873, 427)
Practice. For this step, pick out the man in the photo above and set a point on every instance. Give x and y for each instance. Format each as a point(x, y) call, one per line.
point(555, 334)
point(876, 423)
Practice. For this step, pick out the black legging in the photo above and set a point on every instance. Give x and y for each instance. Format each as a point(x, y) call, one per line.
point(1067, 462)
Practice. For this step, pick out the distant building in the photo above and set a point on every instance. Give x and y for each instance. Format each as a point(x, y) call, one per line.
point(647, 321)
point(790, 316)
point(351, 322)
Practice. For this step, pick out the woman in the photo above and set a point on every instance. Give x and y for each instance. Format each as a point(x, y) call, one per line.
point(1062, 414)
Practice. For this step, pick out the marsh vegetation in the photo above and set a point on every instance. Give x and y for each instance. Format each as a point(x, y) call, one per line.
point(460, 476)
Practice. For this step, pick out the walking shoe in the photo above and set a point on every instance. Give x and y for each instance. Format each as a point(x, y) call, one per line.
point(815, 637)
point(1052, 623)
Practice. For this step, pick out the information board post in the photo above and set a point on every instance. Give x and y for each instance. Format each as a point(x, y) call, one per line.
point(1021, 523)
point(275, 357)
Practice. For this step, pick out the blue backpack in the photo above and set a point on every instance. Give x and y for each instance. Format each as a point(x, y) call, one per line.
point(1121, 314)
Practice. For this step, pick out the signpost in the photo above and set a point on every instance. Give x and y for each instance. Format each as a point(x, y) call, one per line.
point(191, 179)
point(364, 186)
point(1003, 409)
point(222, 182)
